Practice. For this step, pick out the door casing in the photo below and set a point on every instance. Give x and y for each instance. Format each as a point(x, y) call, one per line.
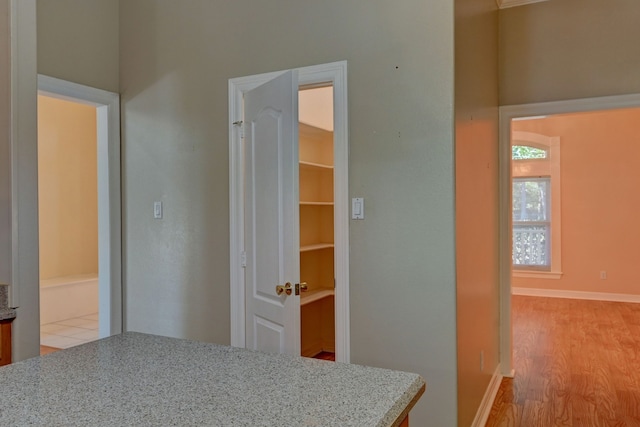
point(109, 213)
point(336, 74)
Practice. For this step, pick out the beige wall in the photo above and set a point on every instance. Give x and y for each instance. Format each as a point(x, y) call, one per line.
point(176, 59)
point(50, 34)
point(24, 259)
point(476, 201)
point(67, 188)
point(78, 41)
point(566, 49)
point(599, 176)
point(5, 145)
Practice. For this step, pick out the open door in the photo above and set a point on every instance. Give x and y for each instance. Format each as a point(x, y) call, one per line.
point(271, 216)
point(264, 214)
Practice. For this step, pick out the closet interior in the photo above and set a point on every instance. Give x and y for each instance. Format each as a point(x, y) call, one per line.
point(316, 189)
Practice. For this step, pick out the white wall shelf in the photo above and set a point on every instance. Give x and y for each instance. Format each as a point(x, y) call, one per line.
point(319, 166)
point(316, 203)
point(316, 247)
point(316, 295)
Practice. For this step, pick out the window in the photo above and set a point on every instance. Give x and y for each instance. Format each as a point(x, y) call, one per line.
point(524, 152)
point(536, 220)
point(531, 223)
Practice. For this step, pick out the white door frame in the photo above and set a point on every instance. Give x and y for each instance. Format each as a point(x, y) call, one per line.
point(336, 74)
point(109, 215)
point(508, 113)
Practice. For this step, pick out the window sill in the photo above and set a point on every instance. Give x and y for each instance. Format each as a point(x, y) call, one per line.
point(530, 274)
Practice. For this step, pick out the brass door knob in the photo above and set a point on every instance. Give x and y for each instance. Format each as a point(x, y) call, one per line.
point(303, 287)
point(286, 289)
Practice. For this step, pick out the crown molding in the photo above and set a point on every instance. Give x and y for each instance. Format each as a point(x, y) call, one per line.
point(503, 4)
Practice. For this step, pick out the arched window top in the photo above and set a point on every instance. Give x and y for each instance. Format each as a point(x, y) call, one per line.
point(527, 152)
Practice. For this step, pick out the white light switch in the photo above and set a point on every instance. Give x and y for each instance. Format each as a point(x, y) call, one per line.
point(357, 208)
point(157, 210)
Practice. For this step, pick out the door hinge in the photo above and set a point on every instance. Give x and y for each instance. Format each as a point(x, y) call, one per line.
point(243, 259)
point(240, 125)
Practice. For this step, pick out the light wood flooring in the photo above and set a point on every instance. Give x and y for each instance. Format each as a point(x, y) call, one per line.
point(577, 363)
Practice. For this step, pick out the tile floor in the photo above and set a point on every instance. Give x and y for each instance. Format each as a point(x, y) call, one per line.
point(70, 332)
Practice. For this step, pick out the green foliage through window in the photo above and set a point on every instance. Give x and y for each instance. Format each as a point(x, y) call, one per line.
point(524, 152)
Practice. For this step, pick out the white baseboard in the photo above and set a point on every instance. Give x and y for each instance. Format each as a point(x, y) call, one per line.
point(553, 293)
point(482, 415)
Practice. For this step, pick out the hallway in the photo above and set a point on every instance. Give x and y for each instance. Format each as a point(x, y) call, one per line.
point(577, 363)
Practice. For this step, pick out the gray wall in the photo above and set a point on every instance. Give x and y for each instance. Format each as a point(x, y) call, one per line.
point(78, 41)
point(5, 143)
point(477, 249)
point(175, 62)
point(24, 226)
point(567, 49)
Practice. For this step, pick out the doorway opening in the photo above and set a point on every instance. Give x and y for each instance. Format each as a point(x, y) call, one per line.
point(103, 185)
point(567, 154)
point(317, 267)
point(321, 215)
point(68, 222)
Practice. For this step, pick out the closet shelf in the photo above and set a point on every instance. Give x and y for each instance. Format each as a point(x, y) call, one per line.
point(316, 247)
point(310, 165)
point(315, 295)
point(316, 203)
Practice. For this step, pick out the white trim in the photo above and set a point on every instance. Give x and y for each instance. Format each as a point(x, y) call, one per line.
point(109, 214)
point(507, 114)
point(336, 73)
point(530, 274)
point(484, 410)
point(503, 4)
point(558, 293)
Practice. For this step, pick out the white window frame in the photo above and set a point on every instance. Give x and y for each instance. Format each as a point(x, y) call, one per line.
point(545, 223)
point(533, 168)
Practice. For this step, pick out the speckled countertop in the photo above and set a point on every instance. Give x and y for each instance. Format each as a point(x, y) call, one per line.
point(6, 313)
point(136, 379)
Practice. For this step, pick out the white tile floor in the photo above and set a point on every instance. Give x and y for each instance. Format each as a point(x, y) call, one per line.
point(70, 332)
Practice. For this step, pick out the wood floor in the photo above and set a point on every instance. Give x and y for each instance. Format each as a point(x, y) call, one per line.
point(577, 363)
point(325, 355)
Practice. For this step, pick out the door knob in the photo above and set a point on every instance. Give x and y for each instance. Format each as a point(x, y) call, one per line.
point(304, 287)
point(287, 289)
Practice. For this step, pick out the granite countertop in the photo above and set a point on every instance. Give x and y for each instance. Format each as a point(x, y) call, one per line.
point(6, 313)
point(146, 380)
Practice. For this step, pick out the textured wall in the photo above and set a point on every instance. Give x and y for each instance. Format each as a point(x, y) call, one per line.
point(5, 144)
point(476, 201)
point(176, 59)
point(78, 41)
point(567, 49)
point(24, 260)
point(67, 188)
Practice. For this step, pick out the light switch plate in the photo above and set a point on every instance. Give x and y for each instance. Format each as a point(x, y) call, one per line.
point(157, 210)
point(357, 208)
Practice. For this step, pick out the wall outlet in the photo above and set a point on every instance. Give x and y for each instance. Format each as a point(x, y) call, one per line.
point(603, 274)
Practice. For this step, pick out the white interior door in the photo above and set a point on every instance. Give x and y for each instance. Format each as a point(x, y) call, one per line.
point(271, 219)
